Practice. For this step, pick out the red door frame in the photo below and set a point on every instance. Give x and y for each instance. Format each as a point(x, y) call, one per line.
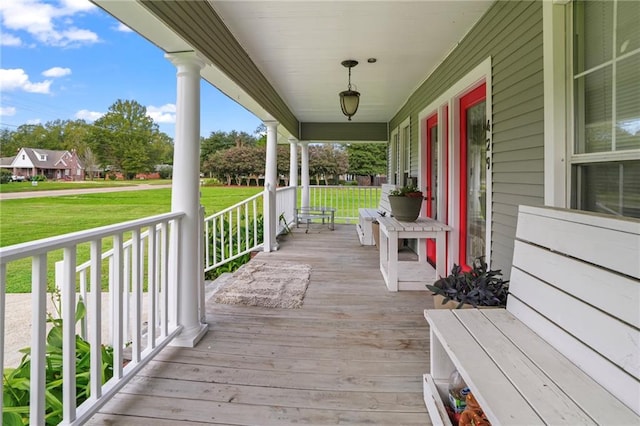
point(430, 124)
point(472, 98)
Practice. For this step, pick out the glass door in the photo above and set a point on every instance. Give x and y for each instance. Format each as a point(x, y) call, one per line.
point(473, 176)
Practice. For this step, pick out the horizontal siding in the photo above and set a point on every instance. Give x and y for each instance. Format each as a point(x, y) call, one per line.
point(511, 34)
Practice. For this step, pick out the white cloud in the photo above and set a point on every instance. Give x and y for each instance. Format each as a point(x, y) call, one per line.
point(56, 72)
point(73, 6)
point(85, 114)
point(9, 40)
point(7, 111)
point(48, 23)
point(34, 121)
point(163, 114)
point(17, 79)
point(123, 28)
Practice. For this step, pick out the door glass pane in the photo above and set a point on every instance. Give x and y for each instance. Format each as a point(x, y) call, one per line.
point(611, 188)
point(433, 170)
point(476, 182)
point(628, 103)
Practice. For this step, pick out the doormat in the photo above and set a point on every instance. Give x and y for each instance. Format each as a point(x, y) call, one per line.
point(269, 285)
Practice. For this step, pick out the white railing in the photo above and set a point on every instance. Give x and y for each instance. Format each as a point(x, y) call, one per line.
point(285, 207)
point(233, 232)
point(238, 230)
point(147, 259)
point(345, 199)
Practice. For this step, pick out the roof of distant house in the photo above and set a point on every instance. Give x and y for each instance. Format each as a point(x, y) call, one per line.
point(6, 161)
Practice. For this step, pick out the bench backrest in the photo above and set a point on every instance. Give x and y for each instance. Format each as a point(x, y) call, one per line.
point(575, 281)
point(384, 205)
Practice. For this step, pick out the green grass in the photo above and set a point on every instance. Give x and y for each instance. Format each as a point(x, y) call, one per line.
point(29, 219)
point(55, 185)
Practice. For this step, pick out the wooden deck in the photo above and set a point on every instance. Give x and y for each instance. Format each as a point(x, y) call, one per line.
point(353, 354)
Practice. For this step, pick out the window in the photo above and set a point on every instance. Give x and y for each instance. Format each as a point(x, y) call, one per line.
point(605, 162)
point(404, 157)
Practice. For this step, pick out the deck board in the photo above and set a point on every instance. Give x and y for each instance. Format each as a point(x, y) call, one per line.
point(353, 354)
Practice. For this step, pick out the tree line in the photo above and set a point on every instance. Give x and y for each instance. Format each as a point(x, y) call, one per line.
point(124, 140)
point(128, 141)
point(237, 158)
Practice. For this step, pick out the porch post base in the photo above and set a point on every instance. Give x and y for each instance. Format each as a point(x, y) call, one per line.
point(190, 338)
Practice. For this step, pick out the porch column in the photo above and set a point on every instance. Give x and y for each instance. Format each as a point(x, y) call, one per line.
point(304, 153)
point(270, 185)
point(293, 170)
point(185, 195)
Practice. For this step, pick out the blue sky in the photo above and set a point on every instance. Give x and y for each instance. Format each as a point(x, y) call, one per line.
point(67, 59)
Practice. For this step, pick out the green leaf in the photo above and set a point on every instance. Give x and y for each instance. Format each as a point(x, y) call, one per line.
point(10, 418)
point(81, 310)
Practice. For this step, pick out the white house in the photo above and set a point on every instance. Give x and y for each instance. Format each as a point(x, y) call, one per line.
point(52, 164)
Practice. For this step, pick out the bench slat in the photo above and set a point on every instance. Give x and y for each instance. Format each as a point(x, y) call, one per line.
point(544, 396)
point(610, 243)
point(587, 393)
point(608, 336)
point(622, 385)
point(500, 400)
point(612, 293)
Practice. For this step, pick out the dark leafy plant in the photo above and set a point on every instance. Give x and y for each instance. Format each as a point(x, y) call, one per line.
point(16, 381)
point(479, 286)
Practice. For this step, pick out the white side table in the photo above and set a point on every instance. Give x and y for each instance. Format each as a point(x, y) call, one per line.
point(411, 275)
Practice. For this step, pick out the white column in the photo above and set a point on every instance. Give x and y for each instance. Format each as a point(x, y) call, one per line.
point(270, 185)
point(304, 152)
point(185, 195)
point(293, 170)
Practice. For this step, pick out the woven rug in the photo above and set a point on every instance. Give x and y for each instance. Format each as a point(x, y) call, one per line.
point(269, 285)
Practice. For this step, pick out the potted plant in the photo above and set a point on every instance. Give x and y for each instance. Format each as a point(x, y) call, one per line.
point(406, 203)
point(476, 287)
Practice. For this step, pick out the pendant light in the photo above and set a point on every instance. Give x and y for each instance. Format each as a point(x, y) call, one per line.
point(349, 99)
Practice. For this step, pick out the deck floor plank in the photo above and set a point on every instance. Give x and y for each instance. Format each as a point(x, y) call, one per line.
point(352, 354)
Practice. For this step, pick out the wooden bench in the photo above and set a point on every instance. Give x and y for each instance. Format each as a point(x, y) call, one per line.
point(367, 216)
point(566, 349)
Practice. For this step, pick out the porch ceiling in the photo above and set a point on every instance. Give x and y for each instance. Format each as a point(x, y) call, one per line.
point(281, 59)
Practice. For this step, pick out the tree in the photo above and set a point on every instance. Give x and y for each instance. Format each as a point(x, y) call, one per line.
point(161, 149)
point(236, 163)
point(220, 140)
point(8, 146)
point(90, 162)
point(284, 162)
point(368, 159)
point(327, 160)
point(124, 136)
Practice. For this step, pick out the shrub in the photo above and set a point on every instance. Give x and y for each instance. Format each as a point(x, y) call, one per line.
point(15, 382)
point(5, 176)
point(38, 178)
point(165, 172)
point(222, 246)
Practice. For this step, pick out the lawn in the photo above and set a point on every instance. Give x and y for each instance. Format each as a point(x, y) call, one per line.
point(55, 185)
point(23, 220)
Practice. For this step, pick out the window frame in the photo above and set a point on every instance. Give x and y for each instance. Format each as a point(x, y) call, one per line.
point(561, 159)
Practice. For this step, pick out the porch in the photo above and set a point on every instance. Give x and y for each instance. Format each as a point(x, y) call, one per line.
point(354, 353)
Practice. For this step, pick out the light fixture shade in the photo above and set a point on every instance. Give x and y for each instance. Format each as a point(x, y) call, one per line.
point(349, 101)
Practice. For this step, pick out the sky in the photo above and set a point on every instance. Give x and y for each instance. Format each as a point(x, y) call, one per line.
point(68, 60)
